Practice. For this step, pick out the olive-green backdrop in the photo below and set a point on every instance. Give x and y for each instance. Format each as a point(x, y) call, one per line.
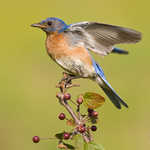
point(28, 105)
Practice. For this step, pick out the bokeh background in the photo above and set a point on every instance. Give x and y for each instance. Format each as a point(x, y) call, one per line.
point(28, 105)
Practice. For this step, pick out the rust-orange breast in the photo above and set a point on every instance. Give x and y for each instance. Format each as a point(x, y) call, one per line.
point(57, 47)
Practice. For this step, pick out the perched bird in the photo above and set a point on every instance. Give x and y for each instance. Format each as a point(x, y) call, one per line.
point(70, 46)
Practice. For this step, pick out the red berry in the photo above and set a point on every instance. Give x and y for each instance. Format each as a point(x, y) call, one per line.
point(94, 114)
point(93, 128)
point(62, 116)
point(66, 136)
point(79, 100)
point(36, 139)
point(81, 129)
point(67, 96)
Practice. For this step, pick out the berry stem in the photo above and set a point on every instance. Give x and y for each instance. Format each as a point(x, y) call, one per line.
point(69, 109)
point(64, 84)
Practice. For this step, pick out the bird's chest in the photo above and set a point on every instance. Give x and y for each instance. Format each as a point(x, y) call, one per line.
point(56, 45)
point(74, 59)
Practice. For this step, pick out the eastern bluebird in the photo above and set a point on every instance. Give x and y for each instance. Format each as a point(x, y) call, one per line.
point(69, 46)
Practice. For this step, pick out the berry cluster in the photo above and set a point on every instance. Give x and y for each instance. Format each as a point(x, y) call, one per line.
point(80, 127)
point(82, 123)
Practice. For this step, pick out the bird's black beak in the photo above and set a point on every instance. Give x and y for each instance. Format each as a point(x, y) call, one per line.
point(38, 25)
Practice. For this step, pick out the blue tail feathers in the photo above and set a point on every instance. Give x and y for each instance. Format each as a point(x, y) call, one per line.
point(119, 51)
point(109, 91)
point(113, 96)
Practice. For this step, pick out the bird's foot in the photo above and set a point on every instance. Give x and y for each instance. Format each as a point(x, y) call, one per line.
point(66, 82)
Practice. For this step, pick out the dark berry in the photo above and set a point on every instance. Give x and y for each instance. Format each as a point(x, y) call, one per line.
point(36, 139)
point(79, 100)
point(94, 114)
point(62, 116)
point(93, 128)
point(90, 110)
point(66, 136)
point(67, 96)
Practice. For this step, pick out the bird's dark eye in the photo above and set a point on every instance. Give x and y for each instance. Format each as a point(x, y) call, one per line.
point(49, 23)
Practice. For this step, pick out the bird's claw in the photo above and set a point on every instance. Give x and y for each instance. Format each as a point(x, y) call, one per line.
point(66, 82)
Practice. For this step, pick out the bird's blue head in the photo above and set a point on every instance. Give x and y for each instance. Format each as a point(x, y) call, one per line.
point(51, 25)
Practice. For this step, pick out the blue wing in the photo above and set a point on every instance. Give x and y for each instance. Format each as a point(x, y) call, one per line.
point(109, 91)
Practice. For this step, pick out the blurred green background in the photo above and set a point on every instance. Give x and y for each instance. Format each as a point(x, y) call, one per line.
point(28, 105)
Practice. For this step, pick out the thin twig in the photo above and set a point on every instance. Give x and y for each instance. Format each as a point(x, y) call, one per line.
point(63, 85)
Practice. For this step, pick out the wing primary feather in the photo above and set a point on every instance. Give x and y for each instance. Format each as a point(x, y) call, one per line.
point(101, 38)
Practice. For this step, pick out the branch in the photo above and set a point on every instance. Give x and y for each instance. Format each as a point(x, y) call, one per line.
point(63, 85)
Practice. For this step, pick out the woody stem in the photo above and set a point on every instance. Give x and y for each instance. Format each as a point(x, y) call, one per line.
point(63, 84)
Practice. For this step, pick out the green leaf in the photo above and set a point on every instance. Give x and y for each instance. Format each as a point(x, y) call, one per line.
point(69, 146)
point(86, 146)
point(93, 146)
point(59, 135)
point(96, 146)
point(93, 100)
point(78, 141)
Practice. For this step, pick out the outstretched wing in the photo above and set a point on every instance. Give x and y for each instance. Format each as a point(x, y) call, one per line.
point(101, 38)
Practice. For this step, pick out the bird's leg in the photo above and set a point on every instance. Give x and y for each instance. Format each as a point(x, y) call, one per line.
point(66, 82)
point(69, 77)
